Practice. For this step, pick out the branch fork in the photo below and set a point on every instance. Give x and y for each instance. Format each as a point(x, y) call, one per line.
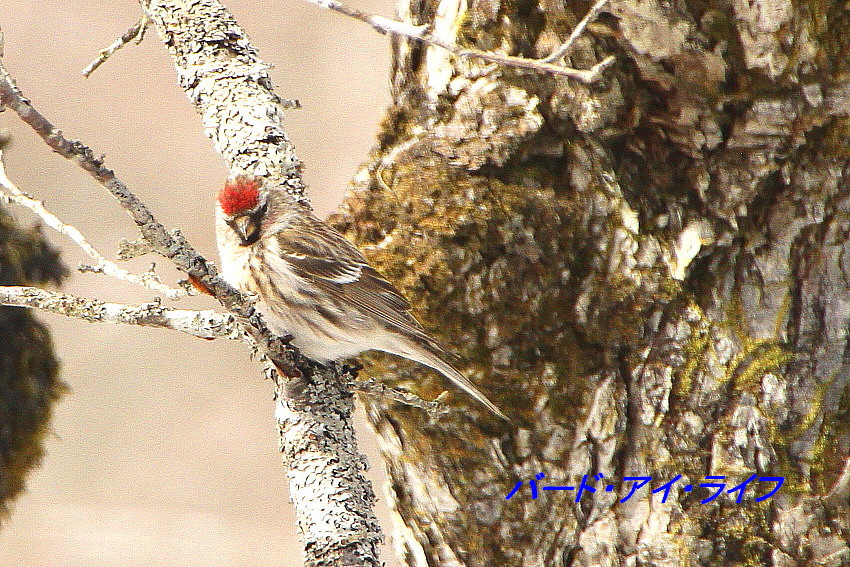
point(422, 33)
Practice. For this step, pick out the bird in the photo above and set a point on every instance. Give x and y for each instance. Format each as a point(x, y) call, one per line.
point(314, 285)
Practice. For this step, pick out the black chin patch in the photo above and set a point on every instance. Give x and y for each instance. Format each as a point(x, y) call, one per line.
point(253, 234)
point(252, 227)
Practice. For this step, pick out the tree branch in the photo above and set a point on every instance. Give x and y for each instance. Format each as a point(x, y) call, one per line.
point(576, 33)
point(206, 324)
point(136, 32)
point(171, 245)
point(147, 280)
point(376, 388)
point(422, 33)
point(230, 87)
point(229, 84)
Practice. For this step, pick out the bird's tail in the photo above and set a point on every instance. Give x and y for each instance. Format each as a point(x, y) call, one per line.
point(434, 358)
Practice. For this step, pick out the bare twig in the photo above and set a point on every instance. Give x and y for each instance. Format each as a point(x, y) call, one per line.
point(203, 324)
point(148, 280)
point(222, 74)
point(422, 33)
point(137, 33)
point(168, 244)
point(576, 33)
point(375, 388)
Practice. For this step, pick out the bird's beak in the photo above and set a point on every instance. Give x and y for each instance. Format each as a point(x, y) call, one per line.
point(247, 227)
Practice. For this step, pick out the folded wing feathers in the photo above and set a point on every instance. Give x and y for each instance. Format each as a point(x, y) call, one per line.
point(324, 257)
point(318, 254)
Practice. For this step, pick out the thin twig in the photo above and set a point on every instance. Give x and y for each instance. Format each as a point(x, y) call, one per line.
point(206, 324)
point(577, 31)
point(137, 32)
point(148, 280)
point(373, 387)
point(421, 33)
point(168, 244)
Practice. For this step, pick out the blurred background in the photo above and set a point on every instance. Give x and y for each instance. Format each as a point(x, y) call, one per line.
point(164, 452)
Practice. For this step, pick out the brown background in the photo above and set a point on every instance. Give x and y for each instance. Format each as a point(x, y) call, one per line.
point(165, 450)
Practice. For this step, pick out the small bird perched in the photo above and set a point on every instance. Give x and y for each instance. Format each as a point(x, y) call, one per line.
point(313, 284)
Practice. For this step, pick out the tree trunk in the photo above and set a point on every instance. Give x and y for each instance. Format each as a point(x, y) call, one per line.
point(649, 274)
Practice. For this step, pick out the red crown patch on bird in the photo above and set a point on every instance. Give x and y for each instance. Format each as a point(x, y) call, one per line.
point(241, 194)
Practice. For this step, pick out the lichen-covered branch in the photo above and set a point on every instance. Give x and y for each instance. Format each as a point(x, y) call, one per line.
point(203, 324)
point(171, 245)
point(230, 87)
point(379, 389)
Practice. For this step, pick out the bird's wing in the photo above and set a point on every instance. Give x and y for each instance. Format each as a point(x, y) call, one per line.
point(320, 255)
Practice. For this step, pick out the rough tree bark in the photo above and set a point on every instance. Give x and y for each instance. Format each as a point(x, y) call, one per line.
point(229, 85)
point(650, 275)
